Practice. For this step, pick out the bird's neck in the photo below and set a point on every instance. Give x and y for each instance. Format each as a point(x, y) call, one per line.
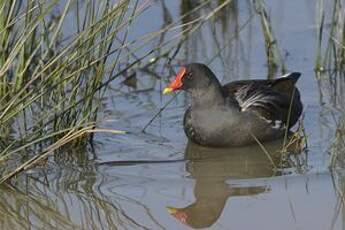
point(213, 97)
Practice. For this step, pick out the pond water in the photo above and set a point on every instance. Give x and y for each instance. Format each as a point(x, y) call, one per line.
point(200, 187)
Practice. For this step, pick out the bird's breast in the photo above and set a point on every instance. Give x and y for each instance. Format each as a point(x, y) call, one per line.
point(224, 127)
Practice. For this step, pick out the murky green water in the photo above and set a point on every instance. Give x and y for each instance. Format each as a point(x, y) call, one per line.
point(212, 188)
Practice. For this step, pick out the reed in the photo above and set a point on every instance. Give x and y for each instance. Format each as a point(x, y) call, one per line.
point(274, 58)
point(329, 68)
point(54, 70)
point(330, 50)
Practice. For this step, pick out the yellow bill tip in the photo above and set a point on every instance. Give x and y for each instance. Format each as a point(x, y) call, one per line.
point(171, 210)
point(167, 90)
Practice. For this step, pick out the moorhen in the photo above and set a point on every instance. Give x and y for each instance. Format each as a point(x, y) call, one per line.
point(238, 113)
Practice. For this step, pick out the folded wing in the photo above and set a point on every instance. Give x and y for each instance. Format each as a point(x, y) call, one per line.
point(276, 101)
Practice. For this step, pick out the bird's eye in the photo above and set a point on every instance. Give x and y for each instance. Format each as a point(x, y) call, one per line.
point(189, 75)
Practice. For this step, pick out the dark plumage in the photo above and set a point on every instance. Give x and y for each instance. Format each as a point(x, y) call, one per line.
point(231, 115)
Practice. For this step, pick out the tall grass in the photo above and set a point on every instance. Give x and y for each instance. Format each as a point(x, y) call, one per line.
point(332, 37)
point(51, 78)
point(274, 59)
point(329, 67)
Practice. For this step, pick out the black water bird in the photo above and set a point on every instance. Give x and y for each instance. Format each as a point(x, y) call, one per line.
point(238, 113)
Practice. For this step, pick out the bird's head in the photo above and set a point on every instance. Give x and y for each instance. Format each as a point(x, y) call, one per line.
point(194, 76)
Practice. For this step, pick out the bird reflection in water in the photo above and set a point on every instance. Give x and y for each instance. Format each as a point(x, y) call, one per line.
point(214, 168)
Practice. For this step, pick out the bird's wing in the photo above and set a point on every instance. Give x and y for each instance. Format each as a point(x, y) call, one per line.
point(273, 100)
